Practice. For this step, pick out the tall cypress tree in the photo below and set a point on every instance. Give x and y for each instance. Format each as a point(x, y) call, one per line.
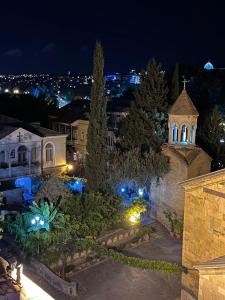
point(175, 83)
point(96, 159)
point(146, 123)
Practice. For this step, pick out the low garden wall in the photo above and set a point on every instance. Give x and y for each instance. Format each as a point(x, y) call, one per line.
point(68, 288)
point(111, 239)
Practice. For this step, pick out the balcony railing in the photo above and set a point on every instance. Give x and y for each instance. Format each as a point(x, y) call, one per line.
point(20, 170)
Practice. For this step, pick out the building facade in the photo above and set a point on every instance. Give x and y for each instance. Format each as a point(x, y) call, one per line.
point(204, 238)
point(27, 149)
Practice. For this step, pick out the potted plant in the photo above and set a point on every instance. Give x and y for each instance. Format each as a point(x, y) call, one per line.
point(176, 224)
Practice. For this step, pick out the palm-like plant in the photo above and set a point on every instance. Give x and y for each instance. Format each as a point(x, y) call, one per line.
point(44, 215)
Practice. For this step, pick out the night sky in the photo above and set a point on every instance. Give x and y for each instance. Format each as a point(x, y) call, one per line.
point(57, 36)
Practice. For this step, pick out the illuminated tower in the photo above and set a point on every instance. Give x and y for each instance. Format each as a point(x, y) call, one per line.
point(182, 123)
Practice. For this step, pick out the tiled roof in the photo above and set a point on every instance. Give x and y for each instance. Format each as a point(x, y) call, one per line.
point(183, 106)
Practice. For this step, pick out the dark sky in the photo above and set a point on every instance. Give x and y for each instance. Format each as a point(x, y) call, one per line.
point(57, 36)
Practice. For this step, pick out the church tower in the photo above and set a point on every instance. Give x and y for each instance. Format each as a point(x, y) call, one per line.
point(182, 123)
point(186, 159)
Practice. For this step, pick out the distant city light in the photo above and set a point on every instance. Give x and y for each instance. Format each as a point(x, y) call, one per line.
point(16, 91)
point(208, 66)
point(6, 90)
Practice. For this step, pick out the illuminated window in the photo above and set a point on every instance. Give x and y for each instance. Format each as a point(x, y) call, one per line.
point(192, 135)
point(175, 133)
point(184, 134)
point(49, 151)
point(22, 154)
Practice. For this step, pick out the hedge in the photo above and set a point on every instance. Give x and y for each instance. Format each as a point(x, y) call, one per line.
point(145, 264)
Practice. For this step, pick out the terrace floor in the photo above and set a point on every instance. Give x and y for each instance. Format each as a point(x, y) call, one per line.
point(111, 281)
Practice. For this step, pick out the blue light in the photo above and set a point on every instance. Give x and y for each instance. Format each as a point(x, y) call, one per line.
point(25, 184)
point(140, 192)
point(135, 79)
point(75, 186)
point(123, 190)
point(208, 66)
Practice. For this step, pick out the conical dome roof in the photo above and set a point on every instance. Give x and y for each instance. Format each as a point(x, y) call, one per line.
point(183, 106)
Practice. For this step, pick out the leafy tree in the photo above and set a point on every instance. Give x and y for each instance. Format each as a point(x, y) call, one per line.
point(212, 136)
point(54, 190)
point(146, 122)
point(128, 166)
point(96, 159)
point(94, 212)
point(175, 83)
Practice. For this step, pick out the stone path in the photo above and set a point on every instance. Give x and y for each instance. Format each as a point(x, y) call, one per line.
point(112, 281)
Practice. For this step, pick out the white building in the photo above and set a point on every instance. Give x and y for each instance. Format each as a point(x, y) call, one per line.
point(29, 149)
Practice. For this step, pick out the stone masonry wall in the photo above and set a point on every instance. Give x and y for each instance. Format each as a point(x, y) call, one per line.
point(204, 223)
point(212, 284)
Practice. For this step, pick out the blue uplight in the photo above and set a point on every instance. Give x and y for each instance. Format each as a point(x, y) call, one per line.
point(76, 186)
point(140, 192)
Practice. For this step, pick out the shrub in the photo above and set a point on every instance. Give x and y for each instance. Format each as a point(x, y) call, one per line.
point(176, 224)
point(95, 212)
point(146, 264)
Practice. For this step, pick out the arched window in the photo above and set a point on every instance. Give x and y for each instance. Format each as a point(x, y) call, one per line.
point(22, 154)
point(13, 154)
point(49, 152)
point(34, 154)
point(175, 134)
point(184, 134)
point(192, 135)
point(2, 156)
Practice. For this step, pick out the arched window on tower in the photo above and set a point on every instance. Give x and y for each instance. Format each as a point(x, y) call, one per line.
point(174, 133)
point(184, 134)
point(192, 135)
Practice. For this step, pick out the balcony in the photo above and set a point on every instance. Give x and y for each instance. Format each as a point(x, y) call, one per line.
point(19, 170)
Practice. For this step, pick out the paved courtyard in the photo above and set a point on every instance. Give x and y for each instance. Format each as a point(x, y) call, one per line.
point(111, 281)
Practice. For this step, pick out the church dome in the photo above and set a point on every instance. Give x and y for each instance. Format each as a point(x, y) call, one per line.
point(208, 66)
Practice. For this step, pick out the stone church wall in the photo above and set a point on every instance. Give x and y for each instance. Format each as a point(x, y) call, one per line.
point(212, 284)
point(204, 223)
point(166, 194)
